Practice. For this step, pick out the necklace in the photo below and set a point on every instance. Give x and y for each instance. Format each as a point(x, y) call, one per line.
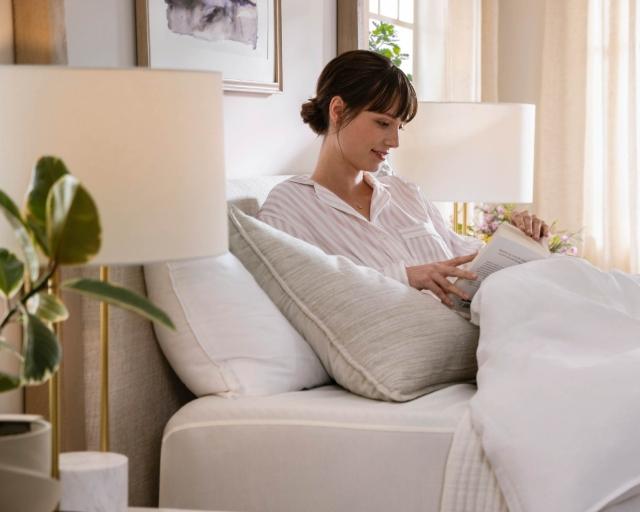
point(358, 206)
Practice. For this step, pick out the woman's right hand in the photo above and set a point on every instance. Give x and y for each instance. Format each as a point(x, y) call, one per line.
point(433, 277)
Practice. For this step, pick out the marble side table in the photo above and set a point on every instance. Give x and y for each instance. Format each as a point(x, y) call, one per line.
point(94, 481)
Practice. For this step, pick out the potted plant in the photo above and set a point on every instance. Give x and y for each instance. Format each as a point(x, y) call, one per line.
point(59, 225)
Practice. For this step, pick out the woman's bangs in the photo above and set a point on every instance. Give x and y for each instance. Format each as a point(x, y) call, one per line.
point(394, 95)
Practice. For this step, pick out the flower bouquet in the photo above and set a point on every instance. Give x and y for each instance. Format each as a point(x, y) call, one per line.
point(489, 216)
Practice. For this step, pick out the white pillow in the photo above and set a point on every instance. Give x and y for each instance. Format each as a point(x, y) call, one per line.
point(230, 339)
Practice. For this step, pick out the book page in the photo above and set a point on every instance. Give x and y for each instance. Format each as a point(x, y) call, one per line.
point(500, 253)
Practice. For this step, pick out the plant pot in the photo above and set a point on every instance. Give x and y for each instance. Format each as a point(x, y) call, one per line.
point(25, 465)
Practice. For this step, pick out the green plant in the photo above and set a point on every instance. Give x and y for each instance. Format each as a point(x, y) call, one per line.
point(60, 221)
point(383, 39)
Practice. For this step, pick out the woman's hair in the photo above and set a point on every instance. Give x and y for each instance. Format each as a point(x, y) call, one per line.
point(364, 80)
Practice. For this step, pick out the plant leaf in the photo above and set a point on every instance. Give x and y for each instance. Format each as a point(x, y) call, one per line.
point(5, 345)
point(47, 171)
point(11, 274)
point(73, 225)
point(47, 307)
point(41, 350)
point(22, 232)
point(8, 382)
point(120, 297)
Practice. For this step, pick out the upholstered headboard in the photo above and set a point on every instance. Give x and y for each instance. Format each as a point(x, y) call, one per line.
point(144, 391)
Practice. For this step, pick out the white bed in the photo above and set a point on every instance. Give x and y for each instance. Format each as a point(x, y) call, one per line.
point(320, 449)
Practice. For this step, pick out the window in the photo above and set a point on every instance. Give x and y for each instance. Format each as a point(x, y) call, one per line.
point(391, 31)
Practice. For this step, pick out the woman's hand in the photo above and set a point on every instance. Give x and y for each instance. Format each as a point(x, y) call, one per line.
point(433, 277)
point(530, 225)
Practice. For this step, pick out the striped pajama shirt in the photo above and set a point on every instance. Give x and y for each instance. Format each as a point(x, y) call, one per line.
point(405, 229)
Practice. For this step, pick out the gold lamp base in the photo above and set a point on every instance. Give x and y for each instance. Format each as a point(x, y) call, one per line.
point(53, 287)
point(461, 228)
point(104, 367)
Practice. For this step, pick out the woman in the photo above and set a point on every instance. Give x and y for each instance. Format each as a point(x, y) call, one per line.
point(362, 100)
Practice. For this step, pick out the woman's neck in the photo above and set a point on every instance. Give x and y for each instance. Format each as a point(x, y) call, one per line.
point(334, 172)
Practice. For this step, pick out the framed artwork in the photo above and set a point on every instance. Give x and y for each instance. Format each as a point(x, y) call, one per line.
point(240, 38)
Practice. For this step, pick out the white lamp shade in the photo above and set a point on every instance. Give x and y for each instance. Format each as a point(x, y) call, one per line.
point(147, 145)
point(469, 151)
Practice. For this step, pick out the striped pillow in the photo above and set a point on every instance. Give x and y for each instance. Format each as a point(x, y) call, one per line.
point(375, 336)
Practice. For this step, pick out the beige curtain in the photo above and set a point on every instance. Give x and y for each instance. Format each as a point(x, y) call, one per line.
point(587, 156)
point(448, 50)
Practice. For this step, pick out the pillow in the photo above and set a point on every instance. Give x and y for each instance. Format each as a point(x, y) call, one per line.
point(230, 339)
point(375, 336)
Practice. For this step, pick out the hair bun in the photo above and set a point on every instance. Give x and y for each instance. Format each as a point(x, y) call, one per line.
point(313, 115)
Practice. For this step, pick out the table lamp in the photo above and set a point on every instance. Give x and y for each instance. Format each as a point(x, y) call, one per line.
point(465, 152)
point(148, 146)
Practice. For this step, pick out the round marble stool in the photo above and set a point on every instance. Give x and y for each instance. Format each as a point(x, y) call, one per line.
point(94, 481)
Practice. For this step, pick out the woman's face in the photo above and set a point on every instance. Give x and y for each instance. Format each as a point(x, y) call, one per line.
point(366, 140)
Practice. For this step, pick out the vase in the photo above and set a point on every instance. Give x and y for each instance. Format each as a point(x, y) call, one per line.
point(25, 465)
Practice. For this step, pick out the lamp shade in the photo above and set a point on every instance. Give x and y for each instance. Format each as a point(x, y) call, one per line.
point(147, 145)
point(469, 151)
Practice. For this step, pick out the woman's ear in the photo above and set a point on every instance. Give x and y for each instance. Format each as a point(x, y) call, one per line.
point(336, 110)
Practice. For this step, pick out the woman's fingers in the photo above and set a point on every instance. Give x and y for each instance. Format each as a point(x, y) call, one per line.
point(448, 270)
point(517, 220)
point(434, 287)
point(536, 227)
point(527, 223)
point(530, 225)
point(448, 287)
point(461, 260)
point(545, 229)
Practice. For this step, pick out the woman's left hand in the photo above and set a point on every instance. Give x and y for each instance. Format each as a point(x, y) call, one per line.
point(530, 225)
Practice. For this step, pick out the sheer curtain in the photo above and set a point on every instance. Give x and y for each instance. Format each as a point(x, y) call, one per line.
point(448, 50)
point(587, 167)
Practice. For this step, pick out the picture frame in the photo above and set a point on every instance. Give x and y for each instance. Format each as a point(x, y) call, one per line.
point(250, 60)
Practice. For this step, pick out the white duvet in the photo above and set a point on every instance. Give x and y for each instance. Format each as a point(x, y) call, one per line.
point(558, 402)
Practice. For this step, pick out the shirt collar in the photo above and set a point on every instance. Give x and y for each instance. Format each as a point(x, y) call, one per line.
point(379, 199)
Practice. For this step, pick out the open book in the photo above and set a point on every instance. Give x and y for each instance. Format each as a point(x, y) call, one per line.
point(509, 246)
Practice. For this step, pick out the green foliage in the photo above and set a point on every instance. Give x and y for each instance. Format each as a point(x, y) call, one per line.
point(48, 308)
point(73, 228)
point(120, 297)
point(383, 39)
point(21, 231)
point(62, 221)
point(11, 274)
point(41, 350)
point(48, 170)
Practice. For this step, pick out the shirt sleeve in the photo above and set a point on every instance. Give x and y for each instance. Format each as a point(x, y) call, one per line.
point(291, 228)
point(396, 270)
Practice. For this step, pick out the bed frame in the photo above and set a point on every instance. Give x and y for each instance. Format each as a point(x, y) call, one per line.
point(144, 391)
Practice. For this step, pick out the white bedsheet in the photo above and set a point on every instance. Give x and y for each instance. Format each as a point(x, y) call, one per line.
point(558, 402)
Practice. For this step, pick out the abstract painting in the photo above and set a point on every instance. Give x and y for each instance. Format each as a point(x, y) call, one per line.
point(240, 38)
point(215, 20)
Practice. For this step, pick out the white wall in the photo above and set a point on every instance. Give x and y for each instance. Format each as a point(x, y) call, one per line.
point(263, 134)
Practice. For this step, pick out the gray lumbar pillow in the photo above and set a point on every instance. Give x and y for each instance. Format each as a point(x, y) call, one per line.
point(375, 336)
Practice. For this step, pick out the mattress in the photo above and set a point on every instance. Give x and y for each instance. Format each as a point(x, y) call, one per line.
point(323, 449)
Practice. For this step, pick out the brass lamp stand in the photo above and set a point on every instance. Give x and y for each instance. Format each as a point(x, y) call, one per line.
point(53, 287)
point(461, 230)
point(104, 367)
